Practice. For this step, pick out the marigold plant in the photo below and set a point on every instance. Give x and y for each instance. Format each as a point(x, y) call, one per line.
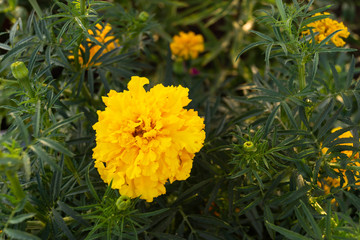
point(187, 45)
point(145, 139)
point(102, 35)
point(327, 26)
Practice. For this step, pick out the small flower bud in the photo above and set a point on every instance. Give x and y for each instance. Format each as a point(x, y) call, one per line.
point(21, 73)
point(19, 70)
point(143, 16)
point(338, 68)
point(249, 146)
point(123, 202)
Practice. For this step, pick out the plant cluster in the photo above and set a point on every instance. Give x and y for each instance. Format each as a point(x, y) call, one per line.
point(244, 124)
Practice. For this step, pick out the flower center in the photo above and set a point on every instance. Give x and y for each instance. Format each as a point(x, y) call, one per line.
point(143, 128)
point(139, 131)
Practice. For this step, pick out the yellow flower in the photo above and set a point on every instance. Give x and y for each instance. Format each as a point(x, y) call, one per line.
point(325, 27)
point(187, 45)
point(144, 139)
point(101, 35)
point(327, 183)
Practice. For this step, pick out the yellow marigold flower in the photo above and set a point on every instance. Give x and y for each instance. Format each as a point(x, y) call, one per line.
point(325, 27)
point(144, 139)
point(327, 183)
point(187, 45)
point(102, 35)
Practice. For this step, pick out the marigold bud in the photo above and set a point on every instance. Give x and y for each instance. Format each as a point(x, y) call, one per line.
point(123, 203)
point(19, 70)
point(249, 146)
point(143, 16)
point(21, 73)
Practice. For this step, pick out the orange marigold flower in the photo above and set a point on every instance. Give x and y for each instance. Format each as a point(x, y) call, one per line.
point(328, 183)
point(187, 45)
point(327, 26)
point(102, 35)
point(144, 139)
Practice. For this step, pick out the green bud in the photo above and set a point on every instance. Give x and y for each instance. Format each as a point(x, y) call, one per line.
point(123, 203)
point(143, 16)
point(249, 146)
point(21, 73)
point(338, 68)
point(19, 70)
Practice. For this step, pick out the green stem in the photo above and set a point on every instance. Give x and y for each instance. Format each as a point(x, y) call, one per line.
point(20, 194)
point(301, 72)
point(82, 7)
point(36, 7)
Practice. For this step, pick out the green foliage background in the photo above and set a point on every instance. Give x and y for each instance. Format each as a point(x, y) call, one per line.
point(259, 81)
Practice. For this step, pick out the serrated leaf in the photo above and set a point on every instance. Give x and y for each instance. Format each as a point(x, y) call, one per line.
point(24, 131)
point(36, 121)
point(17, 234)
point(70, 212)
point(90, 186)
point(20, 218)
point(325, 113)
point(280, 6)
point(62, 225)
point(266, 37)
point(287, 233)
point(55, 145)
point(350, 74)
point(62, 123)
point(44, 156)
point(270, 120)
point(310, 218)
point(252, 45)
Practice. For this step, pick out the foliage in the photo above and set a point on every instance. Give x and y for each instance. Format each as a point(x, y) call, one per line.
point(268, 119)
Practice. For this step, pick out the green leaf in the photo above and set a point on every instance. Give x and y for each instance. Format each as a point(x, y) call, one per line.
point(62, 225)
point(287, 233)
point(353, 199)
point(347, 101)
point(324, 114)
point(55, 145)
point(44, 156)
point(303, 223)
point(289, 114)
point(23, 129)
point(70, 212)
point(90, 186)
point(62, 123)
point(328, 228)
point(314, 67)
point(17, 234)
point(266, 37)
point(192, 189)
point(350, 74)
point(329, 123)
point(270, 120)
point(336, 77)
point(56, 180)
point(312, 221)
point(17, 49)
point(240, 173)
point(252, 45)
point(280, 6)
point(36, 122)
point(267, 53)
point(20, 218)
point(268, 217)
point(327, 39)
